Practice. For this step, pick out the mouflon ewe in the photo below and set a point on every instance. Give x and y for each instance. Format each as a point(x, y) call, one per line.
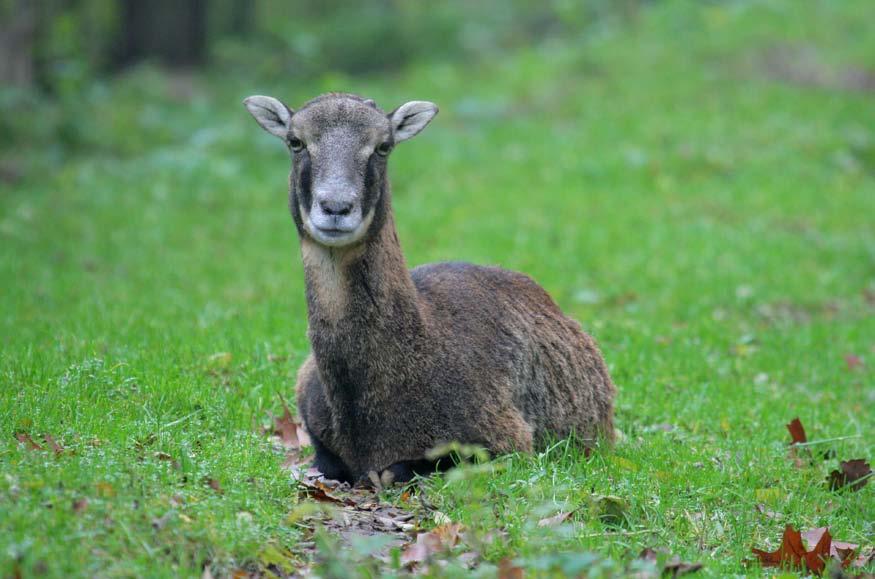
point(405, 360)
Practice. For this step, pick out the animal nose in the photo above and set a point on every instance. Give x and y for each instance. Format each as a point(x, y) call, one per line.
point(332, 207)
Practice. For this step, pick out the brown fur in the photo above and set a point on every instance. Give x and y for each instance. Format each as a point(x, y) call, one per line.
point(406, 360)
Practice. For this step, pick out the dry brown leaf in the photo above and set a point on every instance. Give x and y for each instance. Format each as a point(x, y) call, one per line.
point(793, 553)
point(427, 545)
point(767, 513)
point(801, 457)
point(79, 505)
point(839, 550)
point(449, 534)
point(556, 519)
point(673, 567)
point(291, 434)
point(797, 431)
point(507, 570)
point(866, 557)
point(214, 484)
point(422, 550)
point(53, 444)
point(25, 439)
point(318, 490)
point(855, 472)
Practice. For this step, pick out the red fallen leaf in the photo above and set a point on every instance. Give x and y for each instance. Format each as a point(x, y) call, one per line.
point(797, 435)
point(840, 550)
point(855, 473)
point(797, 431)
point(853, 361)
point(507, 570)
point(792, 552)
point(25, 439)
point(53, 444)
point(555, 520)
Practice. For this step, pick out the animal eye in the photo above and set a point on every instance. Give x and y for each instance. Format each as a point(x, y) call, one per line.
point(296, 144)
point(384, 148)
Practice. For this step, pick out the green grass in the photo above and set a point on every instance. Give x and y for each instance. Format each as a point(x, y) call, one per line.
point(709, 222)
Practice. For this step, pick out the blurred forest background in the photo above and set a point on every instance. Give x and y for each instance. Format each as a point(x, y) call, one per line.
point(56, 56)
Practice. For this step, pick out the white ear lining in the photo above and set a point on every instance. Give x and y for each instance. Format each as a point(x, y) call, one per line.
point(410, 118)
point(273, 116)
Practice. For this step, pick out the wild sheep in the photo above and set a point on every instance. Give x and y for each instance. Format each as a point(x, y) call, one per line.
point(403, 361)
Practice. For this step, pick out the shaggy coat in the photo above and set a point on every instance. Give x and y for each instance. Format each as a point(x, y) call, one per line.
point(405, 360)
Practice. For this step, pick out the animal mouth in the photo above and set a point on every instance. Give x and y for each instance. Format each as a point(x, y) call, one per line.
point(334, 231)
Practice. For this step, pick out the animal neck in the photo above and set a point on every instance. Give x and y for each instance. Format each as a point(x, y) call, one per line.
point(363, 312)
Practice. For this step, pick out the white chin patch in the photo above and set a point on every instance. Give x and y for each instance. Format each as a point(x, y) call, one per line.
point(331, 239)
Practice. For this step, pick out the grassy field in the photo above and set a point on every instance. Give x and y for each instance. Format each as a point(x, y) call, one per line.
point(696, 187)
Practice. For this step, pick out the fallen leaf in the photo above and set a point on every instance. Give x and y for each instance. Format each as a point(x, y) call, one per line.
point(556, 519)
point(853, 361)
point(797, 431)
point(801, 457)
point(79, 505)
point(793, 553)
point(25, 439)
point(449, 534)
point(507, 570)
point(319, 491)
point(839, 550)
point(291, 433)
point(427, 545)
point(104, 489)
point(214, 484)
point(855, 473)
point(767, 513)
point(673, 566)
point(53, 444)
point(422, 550)
point(866, 557)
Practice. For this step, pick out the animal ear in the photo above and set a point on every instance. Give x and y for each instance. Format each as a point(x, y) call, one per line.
point(273, 116)
point(410, 118)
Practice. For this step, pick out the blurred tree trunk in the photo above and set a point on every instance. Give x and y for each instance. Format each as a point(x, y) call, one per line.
point(17, 32)
point(242, 17)
point(172, 31)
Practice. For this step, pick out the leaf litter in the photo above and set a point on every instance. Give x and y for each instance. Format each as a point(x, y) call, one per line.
point(852, 474)
point(793, 552)
point(353, 514)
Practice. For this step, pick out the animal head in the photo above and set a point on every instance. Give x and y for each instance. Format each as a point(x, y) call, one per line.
point(339, 144)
